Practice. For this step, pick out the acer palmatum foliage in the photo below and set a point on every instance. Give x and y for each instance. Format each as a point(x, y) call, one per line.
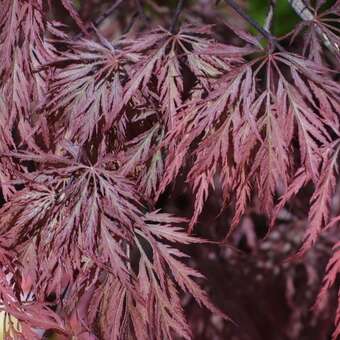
point(93, 219)
point(94, 131)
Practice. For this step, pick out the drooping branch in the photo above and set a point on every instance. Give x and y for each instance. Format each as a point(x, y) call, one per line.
point(178, 11)
point(255, 24)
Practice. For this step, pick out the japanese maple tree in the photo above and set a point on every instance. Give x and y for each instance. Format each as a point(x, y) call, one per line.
point(99, 128)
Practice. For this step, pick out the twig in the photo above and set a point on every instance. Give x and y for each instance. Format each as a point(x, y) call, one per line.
point(102, 17)
point(255, 24)
point(270, 16)
point(306, 14)
point(178, 11)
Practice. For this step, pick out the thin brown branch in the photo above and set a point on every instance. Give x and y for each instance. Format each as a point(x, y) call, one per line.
point(255, 24)
point(173, 28)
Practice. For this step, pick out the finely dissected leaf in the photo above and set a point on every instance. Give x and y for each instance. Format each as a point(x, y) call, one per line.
point(94, 218)
point(30, 314)
point(23, 48)
point(332, 273)
point(320, 205)
point(20, 86)
point(161, 70)
point(92, 132)
point(244, 129)
point(68, 4)
point(144, 158)
point(320, 34)
point(300, 179)
point(165, 308)
point(88, 90)
point(163, 65)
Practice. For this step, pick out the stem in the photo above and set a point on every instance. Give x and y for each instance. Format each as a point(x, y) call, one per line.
point(173, 28)
point(255, 24)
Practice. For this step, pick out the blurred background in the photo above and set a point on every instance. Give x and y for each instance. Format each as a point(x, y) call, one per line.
point(205, 11)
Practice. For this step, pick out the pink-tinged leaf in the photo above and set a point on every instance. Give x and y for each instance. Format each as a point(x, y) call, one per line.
point(245, 36)
point(321, 34)
point(243, 194)
point(144, 158)
point(319, 214)
point(163, 227)
point(88, 90)
point(332, 273)
point(162, 67)
point(201, 188)
point(301, 178)
point(143, 73)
